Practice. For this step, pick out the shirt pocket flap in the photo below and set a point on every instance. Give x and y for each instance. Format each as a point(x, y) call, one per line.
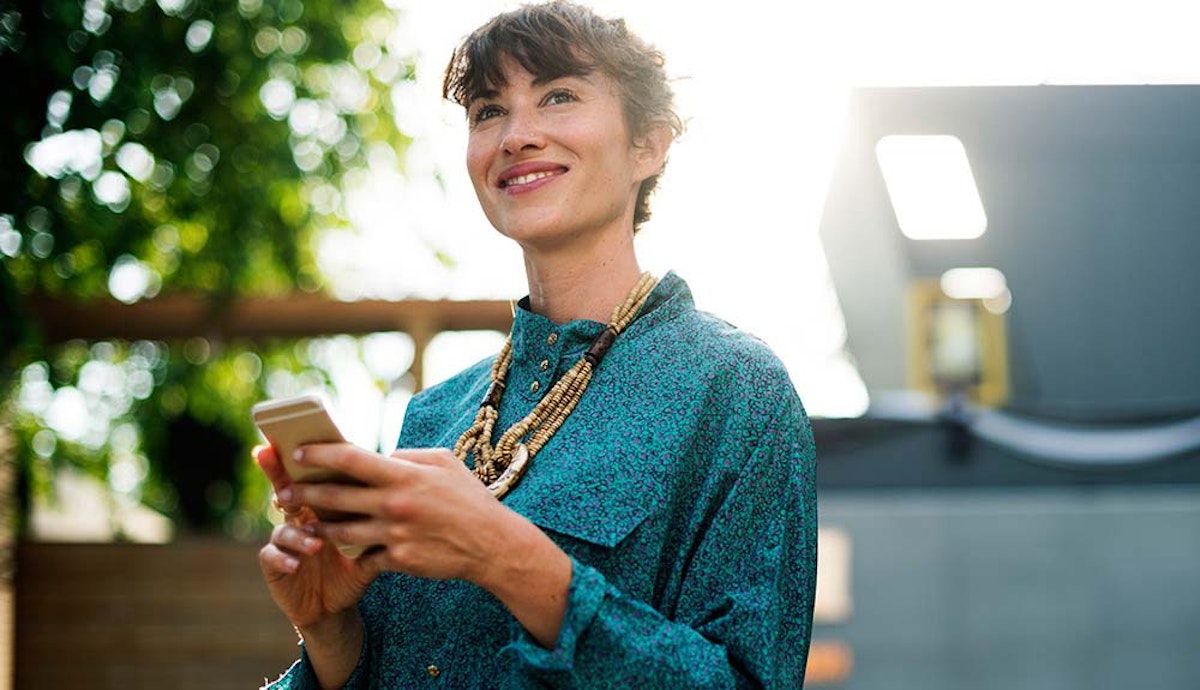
point(600, 513)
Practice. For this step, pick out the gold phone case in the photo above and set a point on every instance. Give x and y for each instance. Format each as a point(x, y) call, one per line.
point(293, 422)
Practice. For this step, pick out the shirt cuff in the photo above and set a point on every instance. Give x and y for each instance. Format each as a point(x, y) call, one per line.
point(584, 597)
point(298, 677)
point(301, 675)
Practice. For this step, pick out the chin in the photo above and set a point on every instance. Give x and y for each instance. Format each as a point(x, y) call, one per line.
point(535, 231)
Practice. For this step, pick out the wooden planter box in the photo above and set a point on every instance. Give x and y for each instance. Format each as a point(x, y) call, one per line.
point(193, 614)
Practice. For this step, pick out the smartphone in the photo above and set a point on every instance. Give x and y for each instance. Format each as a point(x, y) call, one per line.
point(293, 422)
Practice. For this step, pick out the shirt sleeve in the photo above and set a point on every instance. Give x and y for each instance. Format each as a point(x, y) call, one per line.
point(744, 616)
point(301, 675)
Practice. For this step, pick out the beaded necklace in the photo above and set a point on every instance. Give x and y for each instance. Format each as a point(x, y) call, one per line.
point(502, 465)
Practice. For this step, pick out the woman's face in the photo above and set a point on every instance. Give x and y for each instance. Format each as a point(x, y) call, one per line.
point(552, 162)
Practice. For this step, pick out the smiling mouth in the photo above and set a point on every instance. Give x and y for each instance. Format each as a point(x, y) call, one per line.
point(530, 177)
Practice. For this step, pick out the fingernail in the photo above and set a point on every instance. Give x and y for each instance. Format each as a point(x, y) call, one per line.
point(285, 495)
point(291, 563)
point(309, 542)
point(298, 456)
point(309, 529)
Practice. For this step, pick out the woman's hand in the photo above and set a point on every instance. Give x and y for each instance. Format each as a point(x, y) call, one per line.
point(425, 514)
point(309, 579)
point(421, 511)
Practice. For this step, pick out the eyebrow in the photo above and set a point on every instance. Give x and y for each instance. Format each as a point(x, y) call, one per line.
point(542, 81)
point(489, 93)
point(482, 94)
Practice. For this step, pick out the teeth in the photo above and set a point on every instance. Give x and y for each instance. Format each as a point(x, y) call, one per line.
point(526, 179)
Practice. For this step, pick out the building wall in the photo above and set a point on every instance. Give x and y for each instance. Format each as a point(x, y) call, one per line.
point(1038, 588)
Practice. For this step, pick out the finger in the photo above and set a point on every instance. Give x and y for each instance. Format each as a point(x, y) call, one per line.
point(270, 465)
point(296, 540)
point(441, 457)
point(275, 562)
point(377, 560)
point(352, 461)
point(366, 533)
point(288, 511)
point(338, 498)
point(298, 517)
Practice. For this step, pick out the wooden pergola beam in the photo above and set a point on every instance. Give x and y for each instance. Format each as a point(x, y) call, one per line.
point(301, 315)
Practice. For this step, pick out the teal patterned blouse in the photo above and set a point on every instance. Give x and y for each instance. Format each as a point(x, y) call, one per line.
point(683, 489)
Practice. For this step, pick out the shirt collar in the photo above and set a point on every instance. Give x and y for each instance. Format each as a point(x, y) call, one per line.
point(531, 332)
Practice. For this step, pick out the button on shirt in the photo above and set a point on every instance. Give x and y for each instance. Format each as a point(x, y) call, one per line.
point(544, 351)
point(683, 489)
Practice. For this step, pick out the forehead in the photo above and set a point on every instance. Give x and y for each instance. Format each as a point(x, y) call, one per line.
point(490, 68)
point(510, 73)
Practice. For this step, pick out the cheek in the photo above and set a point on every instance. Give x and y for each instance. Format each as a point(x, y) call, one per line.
point(478, 161)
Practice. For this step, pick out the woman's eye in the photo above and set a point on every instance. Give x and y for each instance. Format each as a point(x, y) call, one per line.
point(486, 112)
point(559, 96)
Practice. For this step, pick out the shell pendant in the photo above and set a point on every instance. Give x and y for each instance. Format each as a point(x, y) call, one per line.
point(512, 474)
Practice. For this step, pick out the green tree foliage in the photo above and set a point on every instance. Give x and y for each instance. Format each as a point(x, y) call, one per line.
point(205, 140)
point(177, 145)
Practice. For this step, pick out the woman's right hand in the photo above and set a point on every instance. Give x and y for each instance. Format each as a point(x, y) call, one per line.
point(309, 579)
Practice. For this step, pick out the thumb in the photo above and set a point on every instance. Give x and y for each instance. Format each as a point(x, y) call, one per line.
point(268, 462)
point(372, 563)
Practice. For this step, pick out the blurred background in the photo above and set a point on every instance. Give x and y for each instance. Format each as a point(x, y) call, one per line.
point(968, 229)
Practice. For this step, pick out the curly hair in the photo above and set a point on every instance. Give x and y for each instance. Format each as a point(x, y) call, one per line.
point(559, 39)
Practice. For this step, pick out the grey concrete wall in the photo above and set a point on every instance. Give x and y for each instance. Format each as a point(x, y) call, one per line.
point(1032, 588)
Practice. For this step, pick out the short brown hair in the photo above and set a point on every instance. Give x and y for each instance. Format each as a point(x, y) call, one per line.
point(558, 39)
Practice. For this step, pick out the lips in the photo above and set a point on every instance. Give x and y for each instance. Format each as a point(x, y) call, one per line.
point(528, 174)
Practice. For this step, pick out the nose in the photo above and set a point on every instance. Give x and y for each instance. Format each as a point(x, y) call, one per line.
point(521, 132)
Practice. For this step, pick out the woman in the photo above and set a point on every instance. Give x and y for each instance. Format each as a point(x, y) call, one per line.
point(632, 504)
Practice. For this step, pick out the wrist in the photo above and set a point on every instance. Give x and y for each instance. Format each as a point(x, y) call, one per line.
point(530, 575)
point(333, 646)
point(343, 626)
point(514, 547)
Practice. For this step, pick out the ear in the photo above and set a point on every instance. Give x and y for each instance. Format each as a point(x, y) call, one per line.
point(650, 151)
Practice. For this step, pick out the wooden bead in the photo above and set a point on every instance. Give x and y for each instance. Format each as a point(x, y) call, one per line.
point(600, 345)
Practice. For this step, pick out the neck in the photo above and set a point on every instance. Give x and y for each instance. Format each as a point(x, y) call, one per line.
point(582, 285)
